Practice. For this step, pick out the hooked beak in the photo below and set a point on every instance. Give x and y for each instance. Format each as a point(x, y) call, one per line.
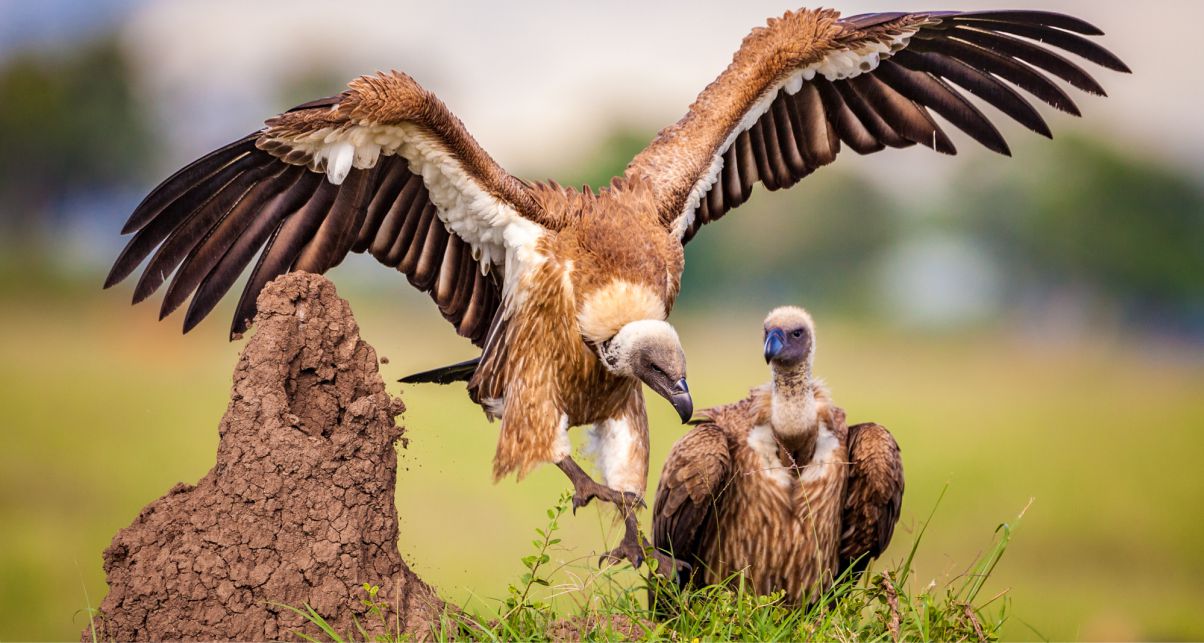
point(775, 341)
point(678, 395)
point(681, 401)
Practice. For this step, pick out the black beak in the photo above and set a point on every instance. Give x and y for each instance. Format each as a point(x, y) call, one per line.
point(681, 401)
point(775, 341)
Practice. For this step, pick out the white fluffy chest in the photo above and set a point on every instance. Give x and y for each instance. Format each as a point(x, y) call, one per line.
point(763, 442)
point(825, 455)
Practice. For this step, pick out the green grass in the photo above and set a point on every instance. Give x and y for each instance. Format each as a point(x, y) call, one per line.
point(105, 409)
point(883, 606)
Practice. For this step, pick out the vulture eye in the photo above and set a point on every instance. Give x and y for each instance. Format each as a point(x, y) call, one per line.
point(798, 333)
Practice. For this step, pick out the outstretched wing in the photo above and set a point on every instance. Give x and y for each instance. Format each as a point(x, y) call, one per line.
point(694, 477)
point(383, 167)
point(873, 495)
point(809, 82)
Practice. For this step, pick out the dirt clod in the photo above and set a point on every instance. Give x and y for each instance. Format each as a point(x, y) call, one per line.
point(298, 510)
point(605, 626)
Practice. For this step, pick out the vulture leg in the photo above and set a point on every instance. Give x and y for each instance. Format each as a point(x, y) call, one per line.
point(668, 566)
point(634, 547)
point(586, 489)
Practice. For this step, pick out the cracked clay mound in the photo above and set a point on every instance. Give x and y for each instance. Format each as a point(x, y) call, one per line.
point(299, 507)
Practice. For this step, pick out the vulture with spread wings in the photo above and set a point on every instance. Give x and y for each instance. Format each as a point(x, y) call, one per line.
point(567, 292)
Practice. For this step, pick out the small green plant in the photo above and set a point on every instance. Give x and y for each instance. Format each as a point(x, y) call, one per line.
point(93, 613)
point(519, 604)
point(378, 609)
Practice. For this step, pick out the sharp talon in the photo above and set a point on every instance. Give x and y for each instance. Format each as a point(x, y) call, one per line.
point(670, 567)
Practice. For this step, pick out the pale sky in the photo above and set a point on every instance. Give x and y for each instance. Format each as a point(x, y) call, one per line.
point(538, 81)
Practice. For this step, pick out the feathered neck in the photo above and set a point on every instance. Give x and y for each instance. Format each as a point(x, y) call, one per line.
point(794, 409)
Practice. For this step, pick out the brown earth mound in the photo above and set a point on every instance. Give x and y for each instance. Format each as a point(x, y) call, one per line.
point(299, 507)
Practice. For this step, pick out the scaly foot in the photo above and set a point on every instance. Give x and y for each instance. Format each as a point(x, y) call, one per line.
point(631, 548)
point(585, 489)
point(670, 567)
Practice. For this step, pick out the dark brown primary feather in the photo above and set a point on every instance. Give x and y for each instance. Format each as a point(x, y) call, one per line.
point(261, 227)
point(848, 125)
point(987, 54)
point(206, 223)
point(821, 144)
point(1070, 42)
point(934, 94)
point(195, 227)
point(692, 480)
point(205, 256)
point(174, 187)
point(1038, 18)
point(912, 122)
point(981, 84)
point(873, 497)
point(1009, 69)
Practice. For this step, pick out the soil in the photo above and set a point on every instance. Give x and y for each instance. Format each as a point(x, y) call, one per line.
point(298, 509)
point(578, 628)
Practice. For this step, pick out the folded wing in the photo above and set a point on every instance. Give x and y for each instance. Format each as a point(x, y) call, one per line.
point(809, 83)
point(694, 477)
point(873, 496)
point(383, 168)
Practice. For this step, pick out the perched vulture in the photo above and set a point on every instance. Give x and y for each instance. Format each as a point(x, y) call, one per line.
point(777, 486)
point(567, 292)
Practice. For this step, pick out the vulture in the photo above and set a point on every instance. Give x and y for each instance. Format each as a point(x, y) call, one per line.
point(777, 486)
point(566, 292)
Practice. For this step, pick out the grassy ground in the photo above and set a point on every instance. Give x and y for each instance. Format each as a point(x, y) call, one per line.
point(105, 409)
point(557, 600)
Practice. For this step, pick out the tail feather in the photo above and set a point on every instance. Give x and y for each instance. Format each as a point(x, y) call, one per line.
point(461, 372)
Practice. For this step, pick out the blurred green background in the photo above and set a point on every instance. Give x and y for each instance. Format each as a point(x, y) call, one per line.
point(1029, 328)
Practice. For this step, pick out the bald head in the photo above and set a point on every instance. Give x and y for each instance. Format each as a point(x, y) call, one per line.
point(650, 351)
point(789, 337)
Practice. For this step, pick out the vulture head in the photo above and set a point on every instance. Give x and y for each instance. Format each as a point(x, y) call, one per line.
point(789, 338)
point(650, 351)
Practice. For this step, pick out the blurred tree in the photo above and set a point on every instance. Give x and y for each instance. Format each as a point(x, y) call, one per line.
point(1083, 217)
point(817, 244)
point(309, 81)
point(69, 123)
point(609, 159)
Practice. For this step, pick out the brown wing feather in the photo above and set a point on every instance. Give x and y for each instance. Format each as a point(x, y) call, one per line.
point(691, 482)
point(268, 193)
point(783, 132)
point(873, 496)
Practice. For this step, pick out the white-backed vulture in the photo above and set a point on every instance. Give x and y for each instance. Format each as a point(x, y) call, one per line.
point(567, 292)
point(777, 486)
